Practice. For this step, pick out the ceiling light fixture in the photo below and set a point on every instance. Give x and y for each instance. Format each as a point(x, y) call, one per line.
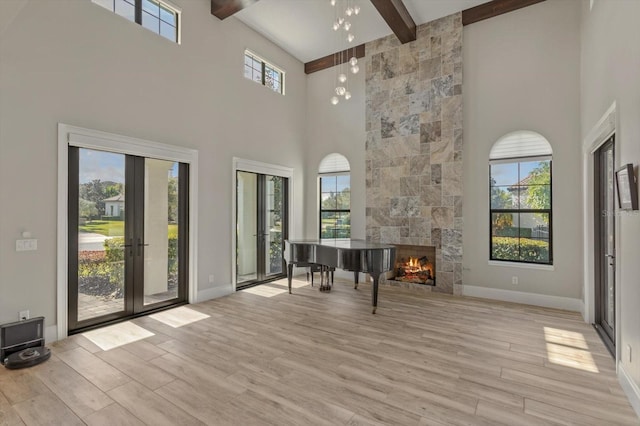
point(343, 10)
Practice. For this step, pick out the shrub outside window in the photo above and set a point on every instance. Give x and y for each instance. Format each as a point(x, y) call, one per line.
point(521, 202)
point(262, 72)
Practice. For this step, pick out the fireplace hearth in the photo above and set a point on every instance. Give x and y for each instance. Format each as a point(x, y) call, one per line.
point(415, 264)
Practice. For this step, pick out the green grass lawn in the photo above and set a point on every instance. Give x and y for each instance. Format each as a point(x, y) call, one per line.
point(113, 228)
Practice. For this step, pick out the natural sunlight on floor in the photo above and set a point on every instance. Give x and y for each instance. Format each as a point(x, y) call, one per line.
point(179, 316)
point(569, 349)
point(265, 291)
point(117, 335)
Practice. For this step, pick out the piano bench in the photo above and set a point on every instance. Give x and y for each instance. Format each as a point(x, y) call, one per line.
point(315, 267)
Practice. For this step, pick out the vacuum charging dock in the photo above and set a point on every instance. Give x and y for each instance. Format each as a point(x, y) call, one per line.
point(22, 343)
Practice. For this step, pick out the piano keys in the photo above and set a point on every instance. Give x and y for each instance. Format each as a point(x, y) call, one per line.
point(350, 255)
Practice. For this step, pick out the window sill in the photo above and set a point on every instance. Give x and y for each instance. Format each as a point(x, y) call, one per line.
point(522, 265)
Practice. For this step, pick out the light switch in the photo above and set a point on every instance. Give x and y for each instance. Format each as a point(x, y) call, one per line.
point(26, 245)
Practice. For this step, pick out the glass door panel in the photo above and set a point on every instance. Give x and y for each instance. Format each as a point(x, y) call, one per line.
point(160, 245)
point(99, 197)
point(605, 308)
point(274, 213)
point(246, 227)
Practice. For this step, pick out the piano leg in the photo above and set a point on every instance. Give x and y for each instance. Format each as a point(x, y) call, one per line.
point(289, 275)
point(355, 279)
point(374, 291)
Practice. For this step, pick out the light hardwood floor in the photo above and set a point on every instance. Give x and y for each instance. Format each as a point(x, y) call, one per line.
point(266, 357)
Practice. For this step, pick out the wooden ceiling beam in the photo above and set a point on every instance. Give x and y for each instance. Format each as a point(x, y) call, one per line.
point(396, 15)
point(224, 8)
point(334, 59)
point(493, 8)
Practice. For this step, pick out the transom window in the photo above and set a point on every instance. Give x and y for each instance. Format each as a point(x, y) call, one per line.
point(335, 197)
point(155, 15)
point(260, 71)
point(520, 199)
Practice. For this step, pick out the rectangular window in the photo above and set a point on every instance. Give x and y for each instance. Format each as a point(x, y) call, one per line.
point(335, 206)
point(155, 15)
point(262, 72)
point(520, 210)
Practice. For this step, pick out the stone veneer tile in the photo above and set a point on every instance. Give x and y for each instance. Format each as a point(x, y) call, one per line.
point(441, 217)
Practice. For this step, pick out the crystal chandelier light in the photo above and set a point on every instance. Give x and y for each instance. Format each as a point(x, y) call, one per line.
point(345, 12)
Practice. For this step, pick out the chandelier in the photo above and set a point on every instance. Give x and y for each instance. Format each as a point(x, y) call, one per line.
point(345, 11)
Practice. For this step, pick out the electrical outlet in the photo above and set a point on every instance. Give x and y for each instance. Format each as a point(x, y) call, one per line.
point(23, 315)
point(514, 280)
point(629, 353)
point(211, 278)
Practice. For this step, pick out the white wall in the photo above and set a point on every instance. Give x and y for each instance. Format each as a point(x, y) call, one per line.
point(521, 72)
point(77, 63)
point(610, 72)
point(335, 128)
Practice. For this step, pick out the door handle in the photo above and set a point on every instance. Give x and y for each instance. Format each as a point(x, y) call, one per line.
point(129, 245)
point(140, 245)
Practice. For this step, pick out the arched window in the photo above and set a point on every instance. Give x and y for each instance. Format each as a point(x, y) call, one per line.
point(520, 198)
point(335, 197)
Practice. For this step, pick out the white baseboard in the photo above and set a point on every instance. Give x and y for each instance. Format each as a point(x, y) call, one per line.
point(630, 388)
point(214, 293)
point(51, 334)
point(543, 300)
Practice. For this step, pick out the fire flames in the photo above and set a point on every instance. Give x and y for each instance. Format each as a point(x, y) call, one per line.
point(415, 270)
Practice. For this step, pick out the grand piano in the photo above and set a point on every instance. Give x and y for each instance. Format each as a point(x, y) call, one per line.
point(350, 255)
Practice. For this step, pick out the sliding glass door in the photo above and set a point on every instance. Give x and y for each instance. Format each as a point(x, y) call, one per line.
point(261, 226)
point(127, 236)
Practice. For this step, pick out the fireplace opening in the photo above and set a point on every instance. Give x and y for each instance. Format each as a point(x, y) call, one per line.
point(415, 264)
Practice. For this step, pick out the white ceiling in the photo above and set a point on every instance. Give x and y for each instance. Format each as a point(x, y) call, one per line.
point(303, 27)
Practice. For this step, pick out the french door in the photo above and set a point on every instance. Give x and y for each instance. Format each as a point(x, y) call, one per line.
point(127, 236)
point(261, 226)
point(605, 244)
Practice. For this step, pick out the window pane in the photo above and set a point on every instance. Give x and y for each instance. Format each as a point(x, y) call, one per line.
point(329, 201)
point(328, 183)
point(344, 199)
point(535, 172)
point(343, 225)
point(535, 197)
point(257, 76)
point(126, 9)
point(504, 174)
point(107, 4)
point(505, 242)
point(168, 31)
point(168, 16)
point(248, 72)
point(343, 182)
point(502, 197)
point(328, 225)
point(248, 60)
point(150, 22)
point(151, 7)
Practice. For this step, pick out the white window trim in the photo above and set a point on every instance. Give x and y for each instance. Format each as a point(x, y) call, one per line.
point(243, 165)
point(522, 265)
point(94, 139)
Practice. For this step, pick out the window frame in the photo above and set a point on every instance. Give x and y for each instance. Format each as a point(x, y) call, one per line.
point(263, 67)
point(321, 210)
point(549, 211)
point(138, 13)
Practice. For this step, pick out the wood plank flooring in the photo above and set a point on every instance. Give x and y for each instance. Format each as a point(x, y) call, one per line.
point(265, 357)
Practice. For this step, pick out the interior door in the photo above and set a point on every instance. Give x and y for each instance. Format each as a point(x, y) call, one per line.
point(127, 236)
point(261, 226)
point(605, 253)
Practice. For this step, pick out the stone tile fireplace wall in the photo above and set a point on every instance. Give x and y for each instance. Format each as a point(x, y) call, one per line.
point(414, 144)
